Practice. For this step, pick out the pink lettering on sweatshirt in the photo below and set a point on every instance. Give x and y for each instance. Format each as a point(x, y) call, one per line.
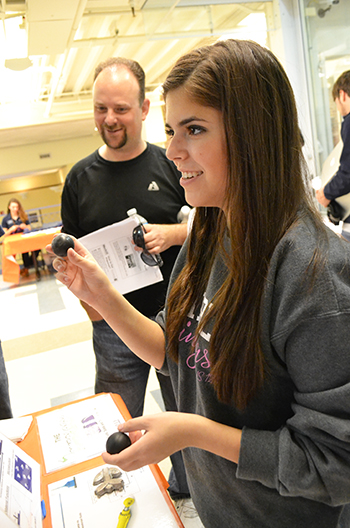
point(198, 358)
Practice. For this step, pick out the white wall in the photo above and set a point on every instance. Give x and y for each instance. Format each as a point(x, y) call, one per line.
point(286, 40)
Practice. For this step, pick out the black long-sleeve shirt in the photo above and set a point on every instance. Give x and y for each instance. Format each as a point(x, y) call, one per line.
point(340, 183)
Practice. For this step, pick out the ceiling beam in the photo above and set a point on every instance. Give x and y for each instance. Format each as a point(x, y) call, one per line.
point(63, 59)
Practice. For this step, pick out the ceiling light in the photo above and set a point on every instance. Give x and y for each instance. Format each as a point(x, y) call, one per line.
point(16, 38)
point(18, 64)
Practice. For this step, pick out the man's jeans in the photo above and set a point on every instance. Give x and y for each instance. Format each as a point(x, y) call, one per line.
point(5, 406)
point(121, 372)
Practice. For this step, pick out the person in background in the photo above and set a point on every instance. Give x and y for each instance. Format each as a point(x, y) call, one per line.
point(5, 405)
point(127, 172)
point(340, 182)
point(16, 221)
point(254, 334)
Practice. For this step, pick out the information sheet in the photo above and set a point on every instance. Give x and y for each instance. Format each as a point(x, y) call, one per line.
point(74, 503)
point(20, 502)
point(114, 251)
point(77, 432)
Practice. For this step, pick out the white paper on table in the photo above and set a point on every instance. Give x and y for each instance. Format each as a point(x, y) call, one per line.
point(20, 501)
point(77, 432)
point(73, 502)
point(113, 250)
point(40, 231)
point(15, 429)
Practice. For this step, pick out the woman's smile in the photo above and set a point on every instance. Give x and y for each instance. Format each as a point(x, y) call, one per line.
point(186, 175)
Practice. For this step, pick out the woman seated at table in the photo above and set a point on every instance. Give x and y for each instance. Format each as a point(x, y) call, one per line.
point(16, 221)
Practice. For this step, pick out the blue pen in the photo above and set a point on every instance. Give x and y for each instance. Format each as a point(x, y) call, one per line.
point(43, 509)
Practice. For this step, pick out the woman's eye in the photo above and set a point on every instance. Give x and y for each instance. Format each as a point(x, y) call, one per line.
point(169, 132)
point(194, 130)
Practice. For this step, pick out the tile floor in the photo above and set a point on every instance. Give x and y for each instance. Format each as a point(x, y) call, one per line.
point(46, 340)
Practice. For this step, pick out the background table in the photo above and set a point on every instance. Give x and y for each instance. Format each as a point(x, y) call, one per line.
point(22, 243)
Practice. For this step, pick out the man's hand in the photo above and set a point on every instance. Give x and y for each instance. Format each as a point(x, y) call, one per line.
point(321, 198)
point(159, 237)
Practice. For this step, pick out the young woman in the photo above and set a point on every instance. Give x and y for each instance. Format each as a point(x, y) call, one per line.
point(16, 221)
point(255, 330)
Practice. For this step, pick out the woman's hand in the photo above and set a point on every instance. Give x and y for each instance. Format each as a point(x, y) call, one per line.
point(12, 229)
point(164, 434)
point(81, 274)
point(168, 432)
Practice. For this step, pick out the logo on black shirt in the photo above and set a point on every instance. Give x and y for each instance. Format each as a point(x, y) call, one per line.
point(153, 186)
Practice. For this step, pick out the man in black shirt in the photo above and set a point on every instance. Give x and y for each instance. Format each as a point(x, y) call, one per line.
point(127, 172)
point(340, 183)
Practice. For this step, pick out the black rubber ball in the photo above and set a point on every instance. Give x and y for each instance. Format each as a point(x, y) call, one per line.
point(61, 243)
point(117, 442)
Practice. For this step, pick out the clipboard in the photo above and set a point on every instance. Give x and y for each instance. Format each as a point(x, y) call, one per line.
point(32, 446)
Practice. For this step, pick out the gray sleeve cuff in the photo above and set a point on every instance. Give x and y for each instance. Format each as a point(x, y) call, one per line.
point(258, 457)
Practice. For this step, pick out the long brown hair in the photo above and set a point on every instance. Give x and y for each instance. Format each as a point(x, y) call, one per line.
point(21, 212)
point(264, 196)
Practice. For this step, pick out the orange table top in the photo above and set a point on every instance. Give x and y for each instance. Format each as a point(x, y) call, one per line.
point(24, 242)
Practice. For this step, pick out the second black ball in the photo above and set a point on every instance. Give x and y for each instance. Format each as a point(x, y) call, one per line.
point(117, 442)
point(61, 243)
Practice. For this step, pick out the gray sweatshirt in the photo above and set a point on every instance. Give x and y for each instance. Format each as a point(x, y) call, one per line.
point(294, 463)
